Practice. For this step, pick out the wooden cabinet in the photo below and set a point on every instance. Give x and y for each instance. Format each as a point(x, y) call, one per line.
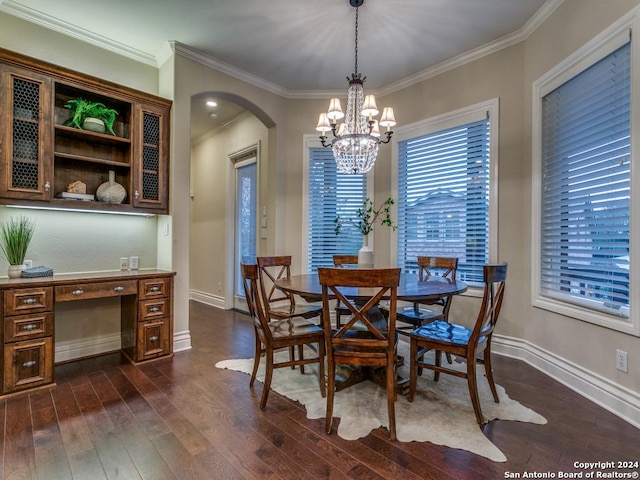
point(146, 328)
point(27, 338)
point(41, 155)
point(25, 134)
point(28, 321)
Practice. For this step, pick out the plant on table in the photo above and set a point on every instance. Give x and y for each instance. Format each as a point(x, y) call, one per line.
point(16, 234)
point(367, 216)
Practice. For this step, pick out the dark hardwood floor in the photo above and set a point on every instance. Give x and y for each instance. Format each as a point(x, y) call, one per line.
point(184, 418)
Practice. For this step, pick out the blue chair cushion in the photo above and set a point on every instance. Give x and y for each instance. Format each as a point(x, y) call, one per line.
point(444, 332)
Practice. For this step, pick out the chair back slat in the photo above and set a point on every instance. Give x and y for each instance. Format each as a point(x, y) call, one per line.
point(495, 277)
point(341, 260)
point(271, 269)
point(374, 284)
point(444, 266)
point(254, 302)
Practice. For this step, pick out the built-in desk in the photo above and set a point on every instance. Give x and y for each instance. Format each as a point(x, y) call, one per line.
point(146, 298)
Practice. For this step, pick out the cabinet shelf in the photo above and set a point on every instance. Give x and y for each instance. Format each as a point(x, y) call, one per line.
point(84, 158)
point(86, 135)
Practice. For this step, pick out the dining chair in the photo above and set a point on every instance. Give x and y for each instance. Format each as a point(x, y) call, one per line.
point(271, 336)
point(367, 339)
point(341, 261)
point(467, 343)
point(416, 315)
point(278, 303)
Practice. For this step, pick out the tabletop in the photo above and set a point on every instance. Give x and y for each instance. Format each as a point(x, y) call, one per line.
point(410, 289)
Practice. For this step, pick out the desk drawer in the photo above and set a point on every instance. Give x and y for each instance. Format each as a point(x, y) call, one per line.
point(150, 309)
point(27, 327)
point(155, 288)
point(28, 300)
point(84, 291)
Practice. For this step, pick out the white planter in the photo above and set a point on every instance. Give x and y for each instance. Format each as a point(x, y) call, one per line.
point(15, 271)
point(365, 254)
point(94, 125)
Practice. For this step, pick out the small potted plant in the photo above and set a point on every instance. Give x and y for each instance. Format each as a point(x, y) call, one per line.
point(16, 234)
point(92, 116)
point(365, 218)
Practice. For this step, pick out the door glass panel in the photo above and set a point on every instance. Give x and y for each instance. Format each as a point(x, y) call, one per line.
point(246, 201)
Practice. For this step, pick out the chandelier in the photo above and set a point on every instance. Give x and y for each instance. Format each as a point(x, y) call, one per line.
point(356, 140)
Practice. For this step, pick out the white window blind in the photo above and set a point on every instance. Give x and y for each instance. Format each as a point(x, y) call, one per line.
point(331, 194)
point(443, 198)
point(585, 187)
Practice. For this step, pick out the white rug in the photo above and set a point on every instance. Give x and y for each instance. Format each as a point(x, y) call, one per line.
point(441, 413)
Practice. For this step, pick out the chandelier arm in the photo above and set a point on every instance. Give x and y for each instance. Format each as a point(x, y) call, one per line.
point(388, 134)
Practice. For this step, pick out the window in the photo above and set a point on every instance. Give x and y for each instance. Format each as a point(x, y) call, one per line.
point(331, 194)
point(445, 172)
point(582, 127)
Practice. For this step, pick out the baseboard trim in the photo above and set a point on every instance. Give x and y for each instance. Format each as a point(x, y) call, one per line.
point(208, 299)
point(86, 347)
point(613, 397)
point(67, 351)
point(181, 341)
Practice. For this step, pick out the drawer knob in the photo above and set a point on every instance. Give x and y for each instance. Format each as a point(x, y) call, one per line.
point(155, 288)
point(30, 326)
point(29, 364)
point(119, 289)
point(77, 292)
point(154, 338)
point(29, 301)
point(154, 309)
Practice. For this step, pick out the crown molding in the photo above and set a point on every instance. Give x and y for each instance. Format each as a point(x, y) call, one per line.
point(52, 23)
point(222, 67)
point(504, 42)
point(177, 48)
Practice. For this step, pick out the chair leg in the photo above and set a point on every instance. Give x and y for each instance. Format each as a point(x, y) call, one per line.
point(330, 393)
point(473, 389)
point(301, 356)
point(436, 373)
point(391, 398)
point(413, 369)
point(292, 356)
point(321, 377)
point(256, 361)
point(489, 373)
point(268, 374)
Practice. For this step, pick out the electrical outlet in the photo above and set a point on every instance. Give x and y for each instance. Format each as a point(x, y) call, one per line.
point(124, 263)
point(28, 263)
point(133, 263)
point(621, 360)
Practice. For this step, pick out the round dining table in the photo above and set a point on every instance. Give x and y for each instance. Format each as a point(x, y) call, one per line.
point(410, 289)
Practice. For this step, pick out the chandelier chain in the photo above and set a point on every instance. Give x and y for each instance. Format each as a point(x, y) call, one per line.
point(356, 67)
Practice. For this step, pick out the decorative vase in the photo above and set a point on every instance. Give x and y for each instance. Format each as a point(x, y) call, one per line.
point(93, 125)
point(365, 254)
point(15, 271)
point(111, 192)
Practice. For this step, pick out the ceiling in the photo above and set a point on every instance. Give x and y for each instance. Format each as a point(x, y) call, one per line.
point(296, 48)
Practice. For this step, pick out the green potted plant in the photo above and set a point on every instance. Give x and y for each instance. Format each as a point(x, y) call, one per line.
point(82, 110)
point(366, 217)
point(15, 235)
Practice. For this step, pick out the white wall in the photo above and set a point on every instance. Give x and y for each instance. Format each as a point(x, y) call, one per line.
point(212, 207)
